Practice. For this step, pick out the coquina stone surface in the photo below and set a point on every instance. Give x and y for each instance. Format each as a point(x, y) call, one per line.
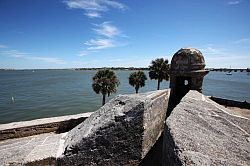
point(36, 150)
point(200, 132)
point(39, 126)
point(119, 133)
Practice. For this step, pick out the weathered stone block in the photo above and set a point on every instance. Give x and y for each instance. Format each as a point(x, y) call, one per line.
point(39, 126)
point(201, 132)
point(119, 133)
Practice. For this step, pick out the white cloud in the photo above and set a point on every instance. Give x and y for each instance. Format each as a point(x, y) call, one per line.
point(236, 2)
point(227, 60)
point(88, 5)
point(115, 60)
point(47, 59)
point(108, 36)
point(92, 14)
point(114, 4)
point(93, 8)
point(83, 53)
point(242, 41)
point(3, 46)
point(14, 53)
point(234, 53)
point(96, 44)
point(211, 51)
point(107, 29)
point(24, 55)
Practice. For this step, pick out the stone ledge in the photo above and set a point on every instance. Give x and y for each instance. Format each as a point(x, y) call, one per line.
point(38, 126)
point(231, 103)
point(34, 150)
point(202, 132)
point(120, 133)
point(125, 129)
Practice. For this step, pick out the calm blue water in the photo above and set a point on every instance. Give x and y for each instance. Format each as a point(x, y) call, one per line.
point(47, 93)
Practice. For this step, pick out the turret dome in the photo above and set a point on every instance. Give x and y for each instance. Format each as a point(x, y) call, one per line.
point(187, 59)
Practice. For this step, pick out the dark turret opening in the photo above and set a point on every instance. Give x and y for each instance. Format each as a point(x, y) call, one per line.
point(186, 73)
point(182, 86)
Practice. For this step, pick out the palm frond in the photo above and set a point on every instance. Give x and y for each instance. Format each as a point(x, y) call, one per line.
point(105, 82)
point(159, 69)
point(137, 79)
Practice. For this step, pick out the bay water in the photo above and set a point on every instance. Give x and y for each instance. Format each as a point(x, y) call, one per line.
point(28, 94)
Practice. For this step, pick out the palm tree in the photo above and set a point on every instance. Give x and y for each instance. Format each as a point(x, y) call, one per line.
point(105, 82)
point(137, 80)
point(159, 69)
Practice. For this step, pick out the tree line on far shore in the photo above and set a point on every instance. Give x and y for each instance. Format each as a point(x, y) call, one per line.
point(105, 81)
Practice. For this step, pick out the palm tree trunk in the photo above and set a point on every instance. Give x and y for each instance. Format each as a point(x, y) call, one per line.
point(103, 99)
point(136, 90)
point(158, 84)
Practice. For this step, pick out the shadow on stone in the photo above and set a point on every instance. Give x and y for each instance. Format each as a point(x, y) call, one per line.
point(154, 156)
point(69, 125)
point(169, 156)
point(172, 103)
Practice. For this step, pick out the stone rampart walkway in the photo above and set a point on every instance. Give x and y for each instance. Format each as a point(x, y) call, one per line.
point(29, 149)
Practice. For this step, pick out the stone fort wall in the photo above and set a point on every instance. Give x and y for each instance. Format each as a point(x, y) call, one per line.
point(132, 130)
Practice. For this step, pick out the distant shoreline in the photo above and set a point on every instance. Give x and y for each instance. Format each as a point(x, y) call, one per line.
point(98, 68)
point(134, 68)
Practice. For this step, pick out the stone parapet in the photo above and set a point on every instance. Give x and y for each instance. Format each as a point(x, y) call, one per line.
point(36, 150)
point(38, 126)
point(119, 133)
point(202, 132)
point(231, 103)
point(198, 132)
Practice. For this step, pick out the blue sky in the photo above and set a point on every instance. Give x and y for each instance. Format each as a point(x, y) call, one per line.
point(105, 33)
